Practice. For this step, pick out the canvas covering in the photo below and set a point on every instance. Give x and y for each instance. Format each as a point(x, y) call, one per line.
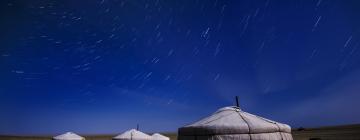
point(231, 123)
point(68, 136)
point(158, 136)
point(132, 135)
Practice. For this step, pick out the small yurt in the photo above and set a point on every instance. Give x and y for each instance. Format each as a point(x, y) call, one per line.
point(231, 123)
point(68, 136)
point(158, 136)
point(132, 134)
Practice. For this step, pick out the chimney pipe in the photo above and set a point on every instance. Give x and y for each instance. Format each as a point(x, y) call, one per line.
point(237, 101)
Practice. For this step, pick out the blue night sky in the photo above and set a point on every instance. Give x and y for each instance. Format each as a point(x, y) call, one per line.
point(104, 66)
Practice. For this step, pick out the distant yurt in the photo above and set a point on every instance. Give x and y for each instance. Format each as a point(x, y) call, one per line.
point(231, 123)
point(158, 136)
point(132, 135)
point(68, 136)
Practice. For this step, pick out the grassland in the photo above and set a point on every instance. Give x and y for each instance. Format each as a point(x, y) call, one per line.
point(345, 132)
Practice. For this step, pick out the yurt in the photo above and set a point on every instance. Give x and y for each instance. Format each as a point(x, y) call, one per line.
point(68, 136)
point(132, 135)
point(158, 136)
point(231, 123)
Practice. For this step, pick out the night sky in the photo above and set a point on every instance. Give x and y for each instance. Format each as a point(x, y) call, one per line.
point(96, 67)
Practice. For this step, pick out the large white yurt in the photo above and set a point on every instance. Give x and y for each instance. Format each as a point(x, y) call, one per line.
point(158, 136)
point(132, 135)
point(231, 123)
point(68, 136)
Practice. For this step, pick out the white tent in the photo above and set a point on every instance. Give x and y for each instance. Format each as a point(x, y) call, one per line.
point(231, 123)
point(68, 136)
point(132, 135)
point(158, 136)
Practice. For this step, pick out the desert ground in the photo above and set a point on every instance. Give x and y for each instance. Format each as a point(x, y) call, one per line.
point(344, 132)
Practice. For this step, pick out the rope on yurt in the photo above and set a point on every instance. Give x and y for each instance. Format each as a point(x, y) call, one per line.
point(279, 130)
point(218, 118)
point(277, 125)
point(200, 121)
point(246, 123)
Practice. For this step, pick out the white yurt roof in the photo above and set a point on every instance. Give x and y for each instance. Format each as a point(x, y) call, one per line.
point(158, 136)
point(132, 135)
point(232, 120)
point(68, 136)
